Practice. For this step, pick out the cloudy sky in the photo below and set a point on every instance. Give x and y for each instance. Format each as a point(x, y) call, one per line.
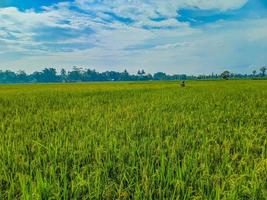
point(175, 36)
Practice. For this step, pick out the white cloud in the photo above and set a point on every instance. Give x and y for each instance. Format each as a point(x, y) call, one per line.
point(218, 4)
point(138, 9)
point(95, 37)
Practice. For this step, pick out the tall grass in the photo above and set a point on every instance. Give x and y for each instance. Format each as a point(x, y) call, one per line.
point(150, 140)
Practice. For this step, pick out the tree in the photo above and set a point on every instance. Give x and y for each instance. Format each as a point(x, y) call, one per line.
point(8, 77)
point(22, 76)
point(225, 75)
point(75, 74)
point(159, 76)
point(49, 75)
point(141, 72)
point(254, 72)
point(36, 77)
point(85, 74)
point(263, 70)
point(124, 76)
point(90, 75)
point(63, 75)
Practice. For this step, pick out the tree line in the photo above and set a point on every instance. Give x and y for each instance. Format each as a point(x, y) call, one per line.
point(50, 75)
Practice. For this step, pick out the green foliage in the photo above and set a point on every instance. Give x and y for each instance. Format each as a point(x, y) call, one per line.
point(225, 75)
point(146, 140)
point(77, 74)
point(263, 70)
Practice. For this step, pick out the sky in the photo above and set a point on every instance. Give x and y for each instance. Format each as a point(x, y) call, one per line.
point(174, 36)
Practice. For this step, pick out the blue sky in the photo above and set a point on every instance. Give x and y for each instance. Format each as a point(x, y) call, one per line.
point(175, 36)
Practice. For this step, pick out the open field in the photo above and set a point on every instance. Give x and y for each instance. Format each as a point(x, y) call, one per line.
point(146, 140)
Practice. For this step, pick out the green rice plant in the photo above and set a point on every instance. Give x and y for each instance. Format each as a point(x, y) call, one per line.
point(143, 140)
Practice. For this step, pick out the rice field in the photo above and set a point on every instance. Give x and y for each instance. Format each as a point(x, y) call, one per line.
point(145, 140)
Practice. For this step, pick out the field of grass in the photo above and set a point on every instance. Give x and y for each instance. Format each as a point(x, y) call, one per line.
point(147, 140)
